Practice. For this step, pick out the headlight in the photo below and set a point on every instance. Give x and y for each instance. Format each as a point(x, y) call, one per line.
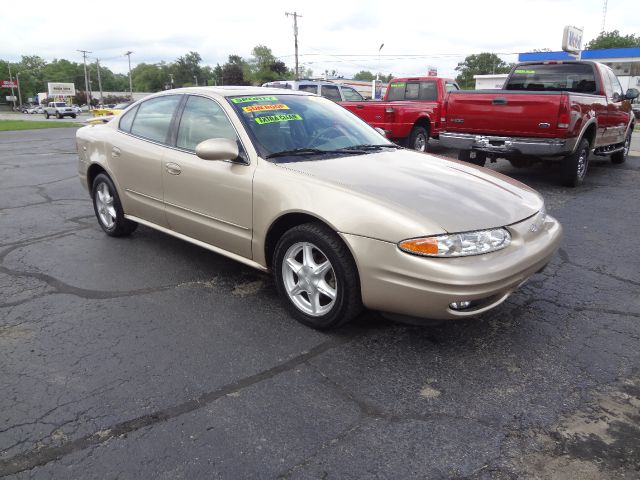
point(458, 244)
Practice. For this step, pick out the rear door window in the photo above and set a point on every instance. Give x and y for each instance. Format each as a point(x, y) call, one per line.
point(331, 92)
point(154, 118)
point(308, 88)
point(127, 120)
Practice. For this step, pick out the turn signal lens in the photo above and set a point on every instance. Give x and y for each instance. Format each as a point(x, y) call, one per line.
point(458, 244)
point(421, 246)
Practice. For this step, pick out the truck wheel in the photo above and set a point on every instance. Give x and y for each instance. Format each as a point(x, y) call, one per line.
point(621, 157)
point(58, 116)
point(46, 115)
point(419, 139)
point(472, 156)
point(574, 166)
point(73, 116)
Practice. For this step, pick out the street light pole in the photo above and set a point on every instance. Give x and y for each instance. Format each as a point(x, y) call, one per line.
point(99, 81)
point(13, 98)
point(378, 74)
point(128, 54)
point(18, 83)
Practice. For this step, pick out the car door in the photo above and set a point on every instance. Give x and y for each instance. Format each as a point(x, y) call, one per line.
point(617, 110)
point(204, 199)
point(135, 157)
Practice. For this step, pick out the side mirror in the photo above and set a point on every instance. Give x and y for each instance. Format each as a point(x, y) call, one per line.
point(631, 94)
point(217, 149)
point(380, 131)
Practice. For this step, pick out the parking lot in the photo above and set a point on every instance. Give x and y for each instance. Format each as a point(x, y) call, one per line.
point(148, 357)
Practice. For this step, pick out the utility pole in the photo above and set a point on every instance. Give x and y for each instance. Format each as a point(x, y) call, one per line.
point(11, 80)
point(19, 94)
point(128, 54)
point(295, 36)
point(99, 81)
point(86, 79)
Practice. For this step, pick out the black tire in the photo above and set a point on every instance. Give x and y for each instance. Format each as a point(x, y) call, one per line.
point(621, 157)
point(342, 276)
point(118, 226)
point(574, 167)
point(73, 116)
point(58, 116)
point(473, 156)
point(419, 139)
point(46, 115)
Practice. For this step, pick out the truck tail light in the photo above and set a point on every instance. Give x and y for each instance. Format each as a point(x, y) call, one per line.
point(443, 111)
point(389, 114)
point(564, 114)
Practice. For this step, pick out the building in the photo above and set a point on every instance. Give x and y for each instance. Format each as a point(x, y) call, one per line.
point(625, 62)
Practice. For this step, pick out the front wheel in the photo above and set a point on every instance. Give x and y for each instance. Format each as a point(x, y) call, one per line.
point(419, 139)
point(108, 209)
point(574, 166)
point(73, 116)
point(621, 156)
point(46, 115)
point(58, 116)
point(316, 276)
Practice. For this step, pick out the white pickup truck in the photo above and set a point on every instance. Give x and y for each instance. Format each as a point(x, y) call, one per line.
point(59, 109)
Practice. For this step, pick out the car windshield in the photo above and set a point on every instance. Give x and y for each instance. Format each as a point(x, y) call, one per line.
point(298, 127)
point(60, 104)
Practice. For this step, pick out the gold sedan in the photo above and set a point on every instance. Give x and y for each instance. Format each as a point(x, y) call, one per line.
point(292, 183)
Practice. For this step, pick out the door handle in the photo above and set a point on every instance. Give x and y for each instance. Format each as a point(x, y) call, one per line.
point(359, 106)
point(115, 152)
point(173, 168)
point(499, 101)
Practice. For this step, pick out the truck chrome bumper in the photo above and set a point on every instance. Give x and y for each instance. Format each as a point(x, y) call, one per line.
point(538, 147)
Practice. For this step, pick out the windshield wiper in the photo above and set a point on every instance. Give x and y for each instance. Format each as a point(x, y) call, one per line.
point(369, 147)
point(310, 151)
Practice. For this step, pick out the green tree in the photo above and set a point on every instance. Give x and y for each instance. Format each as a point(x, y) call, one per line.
point(150, 77)
point(186, 69)
point(265, 67)
point(612, 39)
point(233, 72)
point(481, 64)
point(364, 75)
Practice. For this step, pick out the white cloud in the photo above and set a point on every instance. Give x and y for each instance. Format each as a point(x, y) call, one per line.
point(334, 35)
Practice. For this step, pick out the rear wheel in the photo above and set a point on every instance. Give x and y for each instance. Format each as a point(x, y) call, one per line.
point(574, 166)
point(46, 115)
point(419, 139)
point(108, 209)
point(473, 156)
point(316, 276)
point(621, 157)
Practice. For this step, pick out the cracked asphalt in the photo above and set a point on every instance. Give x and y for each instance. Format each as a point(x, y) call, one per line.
point(147, 357)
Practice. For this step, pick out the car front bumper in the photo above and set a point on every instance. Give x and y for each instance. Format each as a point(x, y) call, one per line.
point(395, 282)
point(524, 146)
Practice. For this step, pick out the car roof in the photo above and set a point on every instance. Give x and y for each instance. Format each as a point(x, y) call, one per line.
point(233, 91)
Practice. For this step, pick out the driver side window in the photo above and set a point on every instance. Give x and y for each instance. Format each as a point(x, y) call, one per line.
point(201, 120)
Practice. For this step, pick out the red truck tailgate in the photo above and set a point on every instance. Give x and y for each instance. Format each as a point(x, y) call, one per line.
point(503, 113)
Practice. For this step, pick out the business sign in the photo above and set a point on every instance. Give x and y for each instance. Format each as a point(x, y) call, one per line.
point(11, 98)
point(432, 71)
point(572, 39)
point(8, 84)
point(61, 89)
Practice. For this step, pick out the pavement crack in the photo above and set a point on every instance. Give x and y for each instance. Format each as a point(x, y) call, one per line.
point(38, 457)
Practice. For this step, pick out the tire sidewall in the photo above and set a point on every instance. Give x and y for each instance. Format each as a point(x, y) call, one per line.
point(415, 134)
point(571, 176)
point(115, 230)
point(305, 233)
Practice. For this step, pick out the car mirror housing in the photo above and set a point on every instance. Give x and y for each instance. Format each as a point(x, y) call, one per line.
point(631, 93)
point(218, 149)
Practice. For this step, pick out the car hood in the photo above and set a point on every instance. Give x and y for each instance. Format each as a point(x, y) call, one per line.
point(455, 195)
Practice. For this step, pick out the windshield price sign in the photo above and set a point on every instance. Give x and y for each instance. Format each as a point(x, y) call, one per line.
point(8, 84)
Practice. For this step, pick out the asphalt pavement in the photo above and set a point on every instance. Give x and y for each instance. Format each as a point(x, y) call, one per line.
point(148, 357)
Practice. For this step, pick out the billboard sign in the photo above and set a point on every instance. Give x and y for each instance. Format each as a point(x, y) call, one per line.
point(8, 84)
point(432, 71)
point(61, 89)
point(572, 39)
point(11, 98)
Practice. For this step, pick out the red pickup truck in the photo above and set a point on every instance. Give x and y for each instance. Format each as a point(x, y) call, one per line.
point(558, 111)
point(410, 111)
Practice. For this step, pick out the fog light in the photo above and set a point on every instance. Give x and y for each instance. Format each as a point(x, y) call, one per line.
point(460, 305)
